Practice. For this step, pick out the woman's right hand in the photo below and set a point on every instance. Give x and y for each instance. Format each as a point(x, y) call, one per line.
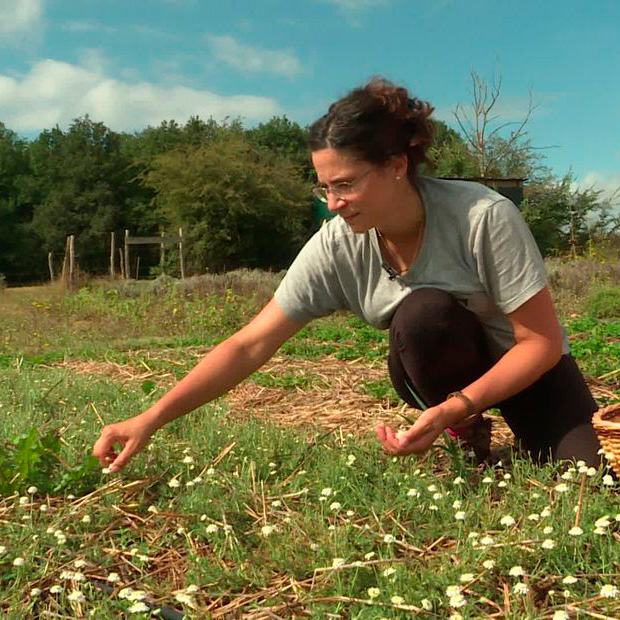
point(132, 435)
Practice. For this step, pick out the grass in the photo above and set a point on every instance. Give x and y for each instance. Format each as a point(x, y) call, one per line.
point(228, 517)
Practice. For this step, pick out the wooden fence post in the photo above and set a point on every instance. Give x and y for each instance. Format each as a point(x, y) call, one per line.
point(112, 246)
point(71, 262)
point(162, 252)
point(127, 268)
point(65, 263)
point(50, 264)
point(181, 254)
point(121, 261)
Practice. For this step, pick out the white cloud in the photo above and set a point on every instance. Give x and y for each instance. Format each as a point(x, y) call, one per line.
point(254, 59)
point(20, 16)
point(607, 182)
point(55, 92)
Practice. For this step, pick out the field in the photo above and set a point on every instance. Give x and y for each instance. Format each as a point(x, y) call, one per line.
point(276, 500)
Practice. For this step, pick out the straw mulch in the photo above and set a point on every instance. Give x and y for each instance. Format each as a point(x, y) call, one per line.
point(334, 397)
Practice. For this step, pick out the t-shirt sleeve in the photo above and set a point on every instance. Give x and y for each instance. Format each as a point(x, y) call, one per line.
point(509, 262)
point(311, 287)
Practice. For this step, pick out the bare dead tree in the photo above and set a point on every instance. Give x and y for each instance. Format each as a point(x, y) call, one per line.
point(479, 130)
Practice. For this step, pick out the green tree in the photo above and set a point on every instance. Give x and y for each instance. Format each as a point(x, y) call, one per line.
point(563, 217)
point(79, 186)
point(239, 206)
point(20, 257)
point(285, 138)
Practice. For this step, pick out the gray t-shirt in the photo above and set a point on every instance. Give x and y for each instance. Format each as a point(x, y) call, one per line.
point(476, 247)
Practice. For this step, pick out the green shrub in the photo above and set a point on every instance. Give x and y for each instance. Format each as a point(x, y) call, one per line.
point(604, 303)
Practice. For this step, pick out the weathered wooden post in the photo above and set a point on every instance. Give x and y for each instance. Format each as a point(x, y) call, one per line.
point(181, 254)
point(65, 263)
point(137, 266)
point(71, 262)
point(112, 246)
point(50, 264)
point(127, 268)
point(121, 261)
point(162, 251)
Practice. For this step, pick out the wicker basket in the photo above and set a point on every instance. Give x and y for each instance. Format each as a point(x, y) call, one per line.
point(606, 423)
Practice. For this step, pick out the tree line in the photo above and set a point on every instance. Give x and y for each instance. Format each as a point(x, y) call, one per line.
point(242, 195)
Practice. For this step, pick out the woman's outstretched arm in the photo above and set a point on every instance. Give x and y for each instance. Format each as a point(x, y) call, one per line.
point(220, 370)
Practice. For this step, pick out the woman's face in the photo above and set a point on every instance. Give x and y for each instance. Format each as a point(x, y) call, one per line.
point(357, 191)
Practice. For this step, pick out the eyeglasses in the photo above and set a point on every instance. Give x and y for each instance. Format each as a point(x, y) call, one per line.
point(346, 189)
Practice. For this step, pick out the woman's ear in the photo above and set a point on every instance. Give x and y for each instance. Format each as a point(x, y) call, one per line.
point(399, 165)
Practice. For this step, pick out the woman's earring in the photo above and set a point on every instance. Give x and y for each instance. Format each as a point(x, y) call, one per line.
point(398, 178)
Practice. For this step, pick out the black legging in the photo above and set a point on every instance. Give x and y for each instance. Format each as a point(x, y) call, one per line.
point(437, 346)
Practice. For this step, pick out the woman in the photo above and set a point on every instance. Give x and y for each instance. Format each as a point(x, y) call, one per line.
point(449, 266)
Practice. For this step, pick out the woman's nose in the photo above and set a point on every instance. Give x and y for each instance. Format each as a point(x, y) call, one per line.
point(335, 203)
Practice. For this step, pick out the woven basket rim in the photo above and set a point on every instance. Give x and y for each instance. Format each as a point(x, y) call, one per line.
point(607, 418)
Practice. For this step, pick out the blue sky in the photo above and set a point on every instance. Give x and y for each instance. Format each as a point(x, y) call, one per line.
point(134, 63)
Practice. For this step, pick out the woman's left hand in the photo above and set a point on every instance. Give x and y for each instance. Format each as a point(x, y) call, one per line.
point(415, 440)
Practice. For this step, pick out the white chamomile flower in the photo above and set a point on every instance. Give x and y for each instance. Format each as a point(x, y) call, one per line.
point(18, 562)
point(431, 488)
point(187, 460)
point(608, 480)
point(75, 596)
point(545, 512)
point(397, 600)
point(326, 492)
point(458, 480)
point(591, 472)
point(520, 588)
point(486, 540)
point(561, 488)
point(80, 563)
point(516, 571)
point(388, 538)
point(547, 529)
point(575, 531)
point(533, 517)
point(267, 530)
point(437, 496)
point(569, 580)
point(138, 608)
point(86, 519)
point(502, 484)
point(32, 490)
point(351, 459)
point(388, 572)
point(602, 522)
point(338, 562)
point(211, 528)
point(35, 591)
point(460, 515)
point(465, 577)
point(548, 543)
point(489, 564)
point(113, 578)
point(173, 483)
point(426, 604)
point(560, 614)
point(567, 475)
point(487, 480)
point(413, 493)
point(456, 504)
point(609, 591)
point(456, 601)
point(24, 500)
point(453, 590)
point(184, 599)
point(335, 506)
point(373, 593)
point(369, 555)
point(507, 520)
